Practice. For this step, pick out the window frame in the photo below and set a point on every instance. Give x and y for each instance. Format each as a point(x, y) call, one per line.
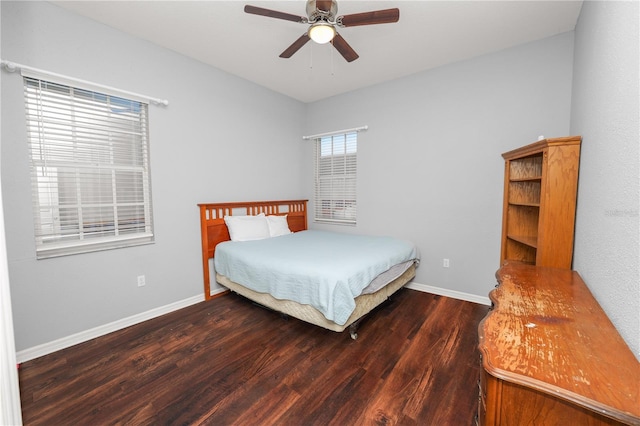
point(77, 134)
point(335, 176)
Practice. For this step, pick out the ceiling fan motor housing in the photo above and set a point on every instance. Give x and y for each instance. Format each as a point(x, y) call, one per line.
point(321, 10)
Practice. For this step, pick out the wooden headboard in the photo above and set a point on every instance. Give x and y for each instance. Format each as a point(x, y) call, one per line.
point(213, 230)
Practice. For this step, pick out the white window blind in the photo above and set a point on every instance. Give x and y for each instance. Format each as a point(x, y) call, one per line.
point(335, 174)
point(89, 169)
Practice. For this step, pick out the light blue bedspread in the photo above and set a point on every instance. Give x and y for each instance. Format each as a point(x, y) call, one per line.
point(327, 270)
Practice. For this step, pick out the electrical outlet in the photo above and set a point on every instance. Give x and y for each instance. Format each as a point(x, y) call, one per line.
point(445, 263)
point(141, 280)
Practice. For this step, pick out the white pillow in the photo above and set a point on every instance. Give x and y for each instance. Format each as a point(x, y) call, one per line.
point(247, 228)
point(278, 225)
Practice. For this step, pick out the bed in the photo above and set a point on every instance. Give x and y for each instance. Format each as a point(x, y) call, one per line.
point(369, 287)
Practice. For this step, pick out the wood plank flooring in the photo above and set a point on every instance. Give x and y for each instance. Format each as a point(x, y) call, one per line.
point(229, 362)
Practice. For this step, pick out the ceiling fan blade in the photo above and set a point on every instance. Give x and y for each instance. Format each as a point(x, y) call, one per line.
point(274, 14)
point(385, 16)
point(343, 47)
point(289, 51)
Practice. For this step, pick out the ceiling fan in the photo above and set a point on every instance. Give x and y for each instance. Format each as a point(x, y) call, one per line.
point(323, 20)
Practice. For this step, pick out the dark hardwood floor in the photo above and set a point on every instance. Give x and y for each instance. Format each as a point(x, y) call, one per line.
point(228, 361)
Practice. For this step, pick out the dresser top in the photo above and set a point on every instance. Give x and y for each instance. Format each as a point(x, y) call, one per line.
point(547, 332)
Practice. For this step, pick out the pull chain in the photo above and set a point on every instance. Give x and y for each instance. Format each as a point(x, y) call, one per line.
point(332, 49)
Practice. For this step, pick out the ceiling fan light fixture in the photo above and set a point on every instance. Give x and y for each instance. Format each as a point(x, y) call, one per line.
point(322, 32)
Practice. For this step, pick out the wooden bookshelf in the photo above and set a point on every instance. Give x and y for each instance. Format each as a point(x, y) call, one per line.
point(540, 191)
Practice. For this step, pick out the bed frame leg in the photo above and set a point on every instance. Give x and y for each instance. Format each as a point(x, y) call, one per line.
point(353, 330)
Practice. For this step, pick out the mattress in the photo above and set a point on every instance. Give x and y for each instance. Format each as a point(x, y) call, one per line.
point(326, 270)
point(365, 303)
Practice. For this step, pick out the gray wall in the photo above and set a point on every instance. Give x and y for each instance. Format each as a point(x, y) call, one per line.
point(606, 112)
point(220, 139)
point(429, 167)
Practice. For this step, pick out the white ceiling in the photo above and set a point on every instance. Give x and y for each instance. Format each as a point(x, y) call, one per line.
point(429, 34)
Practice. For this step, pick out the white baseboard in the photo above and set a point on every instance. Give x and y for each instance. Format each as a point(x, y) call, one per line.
point(83, 336)
point(450, 293)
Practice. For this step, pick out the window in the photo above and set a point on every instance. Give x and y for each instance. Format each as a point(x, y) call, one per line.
point(90, 176)
point(335, 173)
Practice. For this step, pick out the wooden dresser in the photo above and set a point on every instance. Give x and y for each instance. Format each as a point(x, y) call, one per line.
point(551, 356)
